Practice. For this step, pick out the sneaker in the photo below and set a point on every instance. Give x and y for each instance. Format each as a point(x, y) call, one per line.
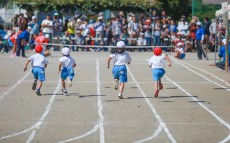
point(64, 92)
point(34, 85)
point(120, 96)
point(69, 82)
point(38, 93)
point(116, 85)
point(156, 93)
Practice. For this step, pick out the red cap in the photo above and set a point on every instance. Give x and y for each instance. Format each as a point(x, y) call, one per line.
point(157, 51)
point(38, 49)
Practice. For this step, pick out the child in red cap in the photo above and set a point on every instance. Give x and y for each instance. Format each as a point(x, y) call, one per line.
point(157, 63)
point(39, 63)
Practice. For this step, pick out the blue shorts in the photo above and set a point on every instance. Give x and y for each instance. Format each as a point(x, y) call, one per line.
point(182, 56)
point(158, 74)
point(67, 72)
point(39, 73)
point(120, 72)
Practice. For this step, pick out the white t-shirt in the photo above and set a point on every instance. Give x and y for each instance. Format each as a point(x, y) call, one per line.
point(49, 23)
point(38, 60)
point(67, 61)
point(157, 61)
point(181, 50)
point(121, 59)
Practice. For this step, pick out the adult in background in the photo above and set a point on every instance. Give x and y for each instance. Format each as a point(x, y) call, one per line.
point(22, 40)
point(47, 27)
point(57, 25)
point(199, 41)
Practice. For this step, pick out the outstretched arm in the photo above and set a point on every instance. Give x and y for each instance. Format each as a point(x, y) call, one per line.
point(59, 67)
point(167, 58)
point(108, 62)
point(25, 68)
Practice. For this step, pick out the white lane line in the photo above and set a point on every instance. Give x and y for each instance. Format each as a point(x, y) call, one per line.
point(14, 86)
point(151, 137)
point(153, 110)
point(100, 106)
point(203, 106)
point(100, 124)
point(202, 75)
point(33, 127)
point(82, 136)
point(208, 73)
point(48, 108)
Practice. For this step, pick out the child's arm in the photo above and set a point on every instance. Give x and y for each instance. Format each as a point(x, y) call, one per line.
point(59, 67)
point(45, 65)
point(108, 63)
point(167, 58)
point(74, 65)
point(26, 65)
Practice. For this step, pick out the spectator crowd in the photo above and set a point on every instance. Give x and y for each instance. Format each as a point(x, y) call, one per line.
point(157, 29)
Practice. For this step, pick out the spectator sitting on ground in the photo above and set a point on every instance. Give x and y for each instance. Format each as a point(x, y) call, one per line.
point(180, 52)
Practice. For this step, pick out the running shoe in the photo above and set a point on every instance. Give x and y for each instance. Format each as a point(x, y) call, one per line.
point(156, 93)
point(34, 85)
point(64, 92)
point(38, 93)
point(120, 96)
point(116, 85)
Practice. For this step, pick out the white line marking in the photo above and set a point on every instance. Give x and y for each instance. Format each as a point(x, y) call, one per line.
point(100, 106)
point(153, 110)
point(203, 106)
point(202, 76)
point(48, 108)
point(208, 73)
point(151, 137)
point(82, 136)
point(13, 87)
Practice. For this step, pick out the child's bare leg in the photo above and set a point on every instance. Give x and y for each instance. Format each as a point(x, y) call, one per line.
point(122, 85)
point(63, 84)
point(39, 85)
point(160, 85)
point(156, 88)
point(116, 84)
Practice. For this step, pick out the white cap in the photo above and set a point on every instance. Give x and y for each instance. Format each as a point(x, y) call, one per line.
point(198, 23)
point(55, 13)
point(141, 33)
point(121, 44)
point(29, 28)
point(224, 41)
point(66, 51)
point(33, 17)
point(101, 14)
point(47, 36)
point(179, 44)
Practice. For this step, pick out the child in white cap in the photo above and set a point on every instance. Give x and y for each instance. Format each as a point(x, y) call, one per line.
point(157, 63)
point(66, 66)
point(121, 58)
point(39, 63)
point(180, 52)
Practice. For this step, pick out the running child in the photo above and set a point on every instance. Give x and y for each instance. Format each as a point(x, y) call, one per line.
point(120, 59)
point(180, 52)
point(157, 63)
point(66, 66)
point(39, 63)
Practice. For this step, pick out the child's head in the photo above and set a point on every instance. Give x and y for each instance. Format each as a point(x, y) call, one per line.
point(121, 46)
point(157, 51)
point(65, 51)
point(38, 49)
point(179, 45)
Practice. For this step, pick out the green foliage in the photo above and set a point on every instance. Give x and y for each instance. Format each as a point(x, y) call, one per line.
point(208, 10)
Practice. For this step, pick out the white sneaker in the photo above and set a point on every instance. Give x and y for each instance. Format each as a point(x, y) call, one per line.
point(64, 92)
point(69, 82)
point(116, 85)
point(120, 96)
